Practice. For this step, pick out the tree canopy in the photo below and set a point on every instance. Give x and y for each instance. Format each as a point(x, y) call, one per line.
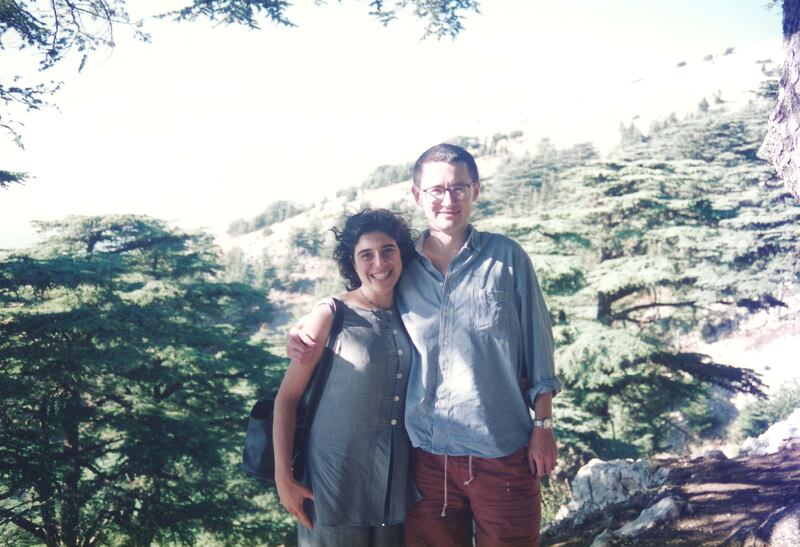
point(127, 368)
point(673, 238)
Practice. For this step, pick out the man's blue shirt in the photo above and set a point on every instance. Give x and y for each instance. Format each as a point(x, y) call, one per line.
point(477, 331)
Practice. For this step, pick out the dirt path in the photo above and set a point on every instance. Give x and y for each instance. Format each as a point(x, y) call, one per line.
point(722, 496)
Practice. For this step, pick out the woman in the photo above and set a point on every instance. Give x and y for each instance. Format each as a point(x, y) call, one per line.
point(356, 488)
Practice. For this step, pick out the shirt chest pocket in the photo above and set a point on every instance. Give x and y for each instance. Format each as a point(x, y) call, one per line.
point(491, 310)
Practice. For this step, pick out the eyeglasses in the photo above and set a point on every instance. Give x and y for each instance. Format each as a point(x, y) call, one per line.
point(458, 192)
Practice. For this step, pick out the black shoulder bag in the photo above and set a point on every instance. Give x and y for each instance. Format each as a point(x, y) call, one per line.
point(258, 456)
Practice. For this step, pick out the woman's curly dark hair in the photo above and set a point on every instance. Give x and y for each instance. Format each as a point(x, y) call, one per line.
point(364, 222)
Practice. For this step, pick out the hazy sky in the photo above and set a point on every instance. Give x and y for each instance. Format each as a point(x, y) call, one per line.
point(208, 124)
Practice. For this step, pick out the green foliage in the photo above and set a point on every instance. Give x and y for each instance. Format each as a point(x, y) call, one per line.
point(274, 213)
point(630, 134)
point(674, 236)
point(386, 175)
point(755, 418)
point(309, 239)
point(126, 372)
point(708, 413)
point(8, 178)
point(473, 144)
point(349, 194)
point(238, 269)
point(522, 183)
point(443, 18)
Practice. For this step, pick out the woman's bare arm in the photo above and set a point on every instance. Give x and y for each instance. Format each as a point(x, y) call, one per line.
point(317, 325)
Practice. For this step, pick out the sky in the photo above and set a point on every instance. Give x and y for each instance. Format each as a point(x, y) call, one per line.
point(207, 124)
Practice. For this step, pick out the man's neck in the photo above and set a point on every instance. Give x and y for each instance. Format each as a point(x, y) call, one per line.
point(441, 247)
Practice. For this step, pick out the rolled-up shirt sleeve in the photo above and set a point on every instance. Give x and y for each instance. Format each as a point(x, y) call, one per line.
point(537, 332)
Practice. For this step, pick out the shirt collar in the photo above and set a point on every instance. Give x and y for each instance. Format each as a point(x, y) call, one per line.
point(473, 239)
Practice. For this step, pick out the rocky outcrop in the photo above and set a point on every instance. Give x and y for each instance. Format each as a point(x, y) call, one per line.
point(752, 500)
point(664, 510)
point(599, 484)
point(778, 436)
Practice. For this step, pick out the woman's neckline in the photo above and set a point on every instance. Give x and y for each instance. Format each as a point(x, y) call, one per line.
point(364, 308)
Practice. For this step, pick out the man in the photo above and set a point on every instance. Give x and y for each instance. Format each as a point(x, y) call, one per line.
point(476, 316)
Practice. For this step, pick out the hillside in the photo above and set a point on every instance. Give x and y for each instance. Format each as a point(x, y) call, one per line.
point(660, 262)
point(670, 266)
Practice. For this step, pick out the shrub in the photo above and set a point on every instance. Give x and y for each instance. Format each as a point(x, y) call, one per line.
point(757, 417)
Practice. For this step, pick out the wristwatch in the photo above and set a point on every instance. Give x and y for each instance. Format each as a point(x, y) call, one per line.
point(544, 423)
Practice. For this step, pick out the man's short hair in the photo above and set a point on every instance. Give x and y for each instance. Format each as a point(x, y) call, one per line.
point(448, 153)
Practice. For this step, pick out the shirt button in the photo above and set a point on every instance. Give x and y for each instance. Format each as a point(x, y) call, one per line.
point(399, 374)
point(393, 422)
point(396, 397)
point(399, 352)
point(395, 331)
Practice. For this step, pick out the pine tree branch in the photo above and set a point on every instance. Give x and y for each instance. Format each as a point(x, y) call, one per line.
point(605, 301)
point(169, 390)
point(113, 398)
point(24, 523)
point(704, 368)
point(621, 313)
point(95, 530)
point(672, 424)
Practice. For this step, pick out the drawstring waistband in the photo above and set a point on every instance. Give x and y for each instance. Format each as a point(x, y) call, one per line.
point(466, 482)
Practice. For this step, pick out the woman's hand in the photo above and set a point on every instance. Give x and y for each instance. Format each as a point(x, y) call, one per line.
point(292, 495)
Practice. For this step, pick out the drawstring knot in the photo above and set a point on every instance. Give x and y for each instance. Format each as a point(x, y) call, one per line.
point(444, 507)
point(466, 482)
point(471, 477)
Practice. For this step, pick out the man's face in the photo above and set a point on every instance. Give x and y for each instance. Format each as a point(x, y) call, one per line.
point(440, 186)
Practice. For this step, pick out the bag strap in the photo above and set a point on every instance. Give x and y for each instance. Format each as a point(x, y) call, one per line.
point(320, 377)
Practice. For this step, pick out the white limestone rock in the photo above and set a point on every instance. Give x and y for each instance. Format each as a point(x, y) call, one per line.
point(775, 438)
point(664, 510)
point(599, 484)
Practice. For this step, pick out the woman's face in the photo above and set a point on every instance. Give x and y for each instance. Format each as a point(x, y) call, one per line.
point(378, 262)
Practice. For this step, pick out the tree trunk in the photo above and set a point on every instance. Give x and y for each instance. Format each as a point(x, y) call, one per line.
point(781, 146)
point(44, 488)
point(71, 504)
